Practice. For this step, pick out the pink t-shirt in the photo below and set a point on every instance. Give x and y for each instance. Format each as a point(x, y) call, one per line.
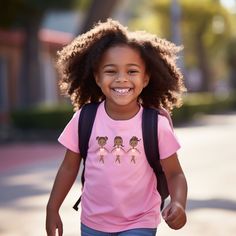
point(120, 187)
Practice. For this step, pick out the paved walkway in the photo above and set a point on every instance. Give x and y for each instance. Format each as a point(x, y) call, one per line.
point(208, 157)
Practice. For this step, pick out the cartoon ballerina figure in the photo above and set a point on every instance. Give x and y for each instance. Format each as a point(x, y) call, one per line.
point(102, 151)
point(118, 150)
point(133, 151)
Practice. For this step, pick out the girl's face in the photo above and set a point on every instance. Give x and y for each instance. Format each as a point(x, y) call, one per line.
point(121, 75)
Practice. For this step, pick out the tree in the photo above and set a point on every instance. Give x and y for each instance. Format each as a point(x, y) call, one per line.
point(204, 27)
point(231, 60)
point(98, 10)
point(27, 15)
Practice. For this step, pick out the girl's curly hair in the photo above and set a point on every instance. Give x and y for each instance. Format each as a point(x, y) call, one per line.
point(78, 61)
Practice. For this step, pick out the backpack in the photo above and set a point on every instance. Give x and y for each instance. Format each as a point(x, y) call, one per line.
point(150, 140)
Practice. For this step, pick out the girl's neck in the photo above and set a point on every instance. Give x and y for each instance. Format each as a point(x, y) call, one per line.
point(121, 112)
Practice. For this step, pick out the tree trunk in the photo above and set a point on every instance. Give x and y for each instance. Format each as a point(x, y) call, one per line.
point(99, 10)
point(203, 65)
point(30, 79)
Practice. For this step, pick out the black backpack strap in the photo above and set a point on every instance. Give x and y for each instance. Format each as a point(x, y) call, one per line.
point(85, 125)
point(150, 139)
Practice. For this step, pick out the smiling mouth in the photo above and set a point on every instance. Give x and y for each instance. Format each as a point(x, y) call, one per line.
point(121, 91)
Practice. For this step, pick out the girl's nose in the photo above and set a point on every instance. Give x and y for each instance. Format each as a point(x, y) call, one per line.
point(121, 77)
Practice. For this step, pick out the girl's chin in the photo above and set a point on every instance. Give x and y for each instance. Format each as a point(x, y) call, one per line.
point(123, 102)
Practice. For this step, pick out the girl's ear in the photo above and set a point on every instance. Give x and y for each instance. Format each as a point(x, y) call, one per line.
point(96, 79)
point(146, 80)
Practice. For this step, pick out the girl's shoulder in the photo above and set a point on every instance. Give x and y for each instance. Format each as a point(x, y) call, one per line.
point(164, 124)
point(75, 116)
point(165, 117)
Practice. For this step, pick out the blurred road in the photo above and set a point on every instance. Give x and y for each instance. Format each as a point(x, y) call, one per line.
point(208, 157)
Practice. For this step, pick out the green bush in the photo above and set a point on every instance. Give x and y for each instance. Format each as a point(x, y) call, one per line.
point(55, 118)
point(203, 103)
point(50, 118)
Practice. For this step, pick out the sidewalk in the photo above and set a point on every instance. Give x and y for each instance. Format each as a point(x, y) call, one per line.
point(208, 158)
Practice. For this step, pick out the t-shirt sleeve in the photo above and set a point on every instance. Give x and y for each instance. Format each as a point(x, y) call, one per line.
point(69, 136)
point(167, 141)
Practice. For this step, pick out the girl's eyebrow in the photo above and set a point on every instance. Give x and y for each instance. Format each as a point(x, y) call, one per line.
point(133, 64)
point(130, 64)
point(108, 65)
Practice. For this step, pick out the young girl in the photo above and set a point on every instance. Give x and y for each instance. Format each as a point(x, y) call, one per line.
point(125, 71)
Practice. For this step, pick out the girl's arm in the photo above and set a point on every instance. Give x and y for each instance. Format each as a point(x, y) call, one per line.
point(174, 214)
point(65, 178)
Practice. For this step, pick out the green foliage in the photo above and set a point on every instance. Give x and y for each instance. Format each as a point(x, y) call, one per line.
point(205, 28)
point(82, 4)
point(200, 20)
point(145, 18)
point(55, 118)
point(42, 118)
point(203, 103)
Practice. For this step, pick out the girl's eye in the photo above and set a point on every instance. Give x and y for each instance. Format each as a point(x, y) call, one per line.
point(132, 72)
point(110, 72)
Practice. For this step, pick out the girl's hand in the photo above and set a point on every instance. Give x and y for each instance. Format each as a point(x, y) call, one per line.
point(53, 223)
point(65, 178)
point(174, 215)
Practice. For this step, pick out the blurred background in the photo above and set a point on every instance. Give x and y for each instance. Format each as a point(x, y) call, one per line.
point(33, 113)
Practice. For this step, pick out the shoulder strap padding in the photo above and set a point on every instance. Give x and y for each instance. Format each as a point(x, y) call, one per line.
point(85, 125)
point(150, 139)
point(86, 120)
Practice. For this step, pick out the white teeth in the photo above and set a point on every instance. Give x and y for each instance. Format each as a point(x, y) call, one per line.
point(122, 90)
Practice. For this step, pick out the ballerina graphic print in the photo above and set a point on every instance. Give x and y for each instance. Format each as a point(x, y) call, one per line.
point(133, 151)
point(102, 151)
point(118, 150)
